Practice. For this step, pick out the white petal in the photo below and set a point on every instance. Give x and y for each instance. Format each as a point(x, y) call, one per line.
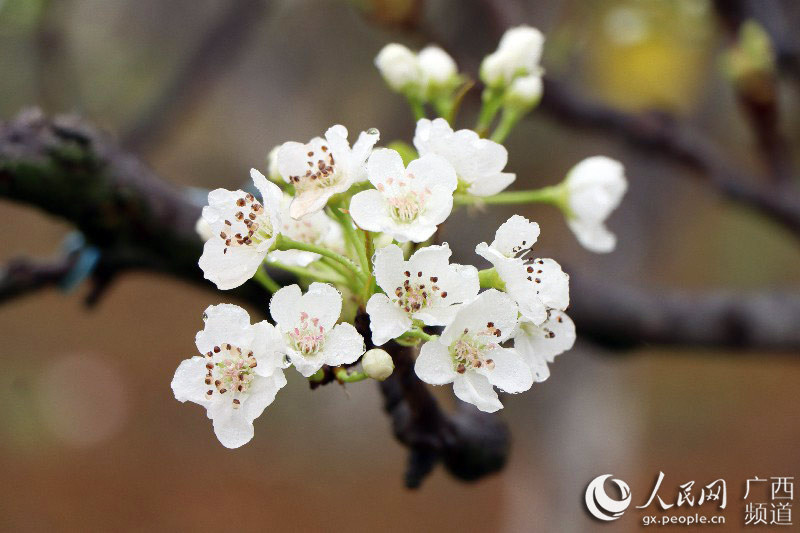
point(306, 365)
point(268, 348)
point(417, 231)
point(388, 269)
point(361, 151)
point(491, 183)
point(510, 373)
point(437, 316)
point(224, 323)
point(313, 200)
point(229, 267)
point(490, 306)
point(188, 383)
point(553, 337)
point(554, 290)
point(516, 234)
point(384, 165)
point(271, 194)
point(434, 364)
point(284, 307)
point(596, 186)
point(230, 425)
point(433, 170)
point(475, 389)
point(324, 302)
point(292, 159)
point(386, 320)
point(461, 283)
point(369, 212)
point(594, 236)
point(343, 345)
point(261, 394)
point(438, 206)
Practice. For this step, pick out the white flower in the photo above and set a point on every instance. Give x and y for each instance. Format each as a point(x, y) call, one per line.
point(406, 204)
point(518, 54)
point(307, 323)
point(377, 364)
point(468, 353)
point(595, 187)
point(315, 228)
point(479, 163)
point(243, 231)
point(426, 287)
point(322, 168)
point(539, 345)
point(524, 93)
point(438, 68)
point(537, 285)
point(238, 376)
point(399, 67)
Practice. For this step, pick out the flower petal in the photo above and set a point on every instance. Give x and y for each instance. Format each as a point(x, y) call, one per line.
point(388, 262)
point(229, 267)
point(343, 345)
point(510, 373)
point(261, 394)
point(434, 364)
point(384, 166)
point(368, 209)
point(433, 170)
point(490, 306)
point(284, 307)
point(475, 389)
point(230, 425)
point(491, 184)
point(514, 235)
point(188, 385)
point(224, 323)
point(322, 301)
point(386, 320)
point(554, 290)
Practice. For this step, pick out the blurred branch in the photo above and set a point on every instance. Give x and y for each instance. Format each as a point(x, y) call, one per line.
point(619, 316)
point(663, 136)
point(214, 55)
point(24, 276)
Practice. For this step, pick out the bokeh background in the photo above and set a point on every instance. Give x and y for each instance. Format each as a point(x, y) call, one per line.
point(90, 435)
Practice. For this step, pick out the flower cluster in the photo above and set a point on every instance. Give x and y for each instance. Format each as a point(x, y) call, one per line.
point(357, 228)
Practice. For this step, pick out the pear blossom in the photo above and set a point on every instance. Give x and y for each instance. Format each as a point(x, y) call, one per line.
point(203, 229)
point(426, 288)
point(469, 353)
point(243, 231)
point(479, 163)
point(307, 323)
point(518, 54)
point(524, 93)
point(238, 376)
point(536, 285)
point(315, 228)
point(399, 67)
point(324, 167)
point(407, 204)
point(439, 70)
point(595, 187)
point(272, 165)
point(377, 364)
point(539, 345)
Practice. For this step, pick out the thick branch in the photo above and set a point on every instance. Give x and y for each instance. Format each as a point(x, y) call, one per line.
point(23, 276)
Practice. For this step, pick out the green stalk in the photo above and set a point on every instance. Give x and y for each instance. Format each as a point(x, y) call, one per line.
point(507, 122)
point(342, 375)
point(266, 281)
point(553, 195)
point(285, 243)
point(308, 273)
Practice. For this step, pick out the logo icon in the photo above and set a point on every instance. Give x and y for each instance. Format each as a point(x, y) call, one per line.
point(600, 504)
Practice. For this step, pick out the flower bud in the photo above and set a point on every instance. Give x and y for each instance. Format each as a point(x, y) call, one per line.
point(398, 66)
point(594, 188)
point(377, 364)
point(518, 54)
point(524, 93)
point(438, 68)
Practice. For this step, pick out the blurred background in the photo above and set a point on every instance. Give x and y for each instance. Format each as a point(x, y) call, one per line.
point(91, 437)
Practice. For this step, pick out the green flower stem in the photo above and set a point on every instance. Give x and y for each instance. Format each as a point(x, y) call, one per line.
point(417, 107)
point(342, 375)
point(353, 238)
point(490, 279)
point(327, 277)
point(554, 195)
point(266, 281)
point(492, 100)
point(334, 265)
point(285, 243)
point(417, 334)
point(317, 376)
point(507, 122)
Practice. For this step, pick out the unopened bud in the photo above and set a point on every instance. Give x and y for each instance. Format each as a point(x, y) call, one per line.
point(377, 364)
point(438, 68)
point(399, 67)
point(524, 93)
